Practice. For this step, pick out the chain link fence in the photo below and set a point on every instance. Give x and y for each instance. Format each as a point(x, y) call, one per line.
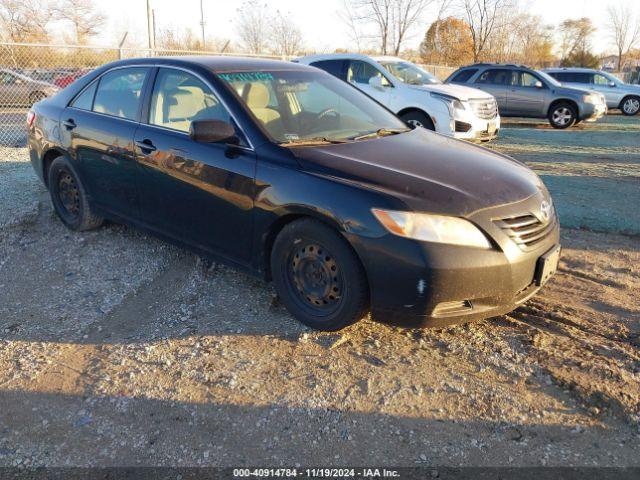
point(31, 72)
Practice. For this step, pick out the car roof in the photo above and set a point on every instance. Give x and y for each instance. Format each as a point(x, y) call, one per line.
point(503, 65)
point(333, 56)
point(217, 63)
point(570, 69)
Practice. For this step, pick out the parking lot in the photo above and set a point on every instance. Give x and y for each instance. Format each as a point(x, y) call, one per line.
point(119, 349)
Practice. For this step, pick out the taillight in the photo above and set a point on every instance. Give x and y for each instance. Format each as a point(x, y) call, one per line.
point(31, 117)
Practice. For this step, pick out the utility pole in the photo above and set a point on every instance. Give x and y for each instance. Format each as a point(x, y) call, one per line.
point(150, 31)
point(202, 25)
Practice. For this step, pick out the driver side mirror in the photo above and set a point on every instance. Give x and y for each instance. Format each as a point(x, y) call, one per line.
point(538, 84)
point(376, 82)
point(612, 84)
point(213, 131)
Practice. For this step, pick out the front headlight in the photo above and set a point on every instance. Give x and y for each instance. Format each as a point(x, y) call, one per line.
point(591, 98)
point(453, 104)
point(432, 228)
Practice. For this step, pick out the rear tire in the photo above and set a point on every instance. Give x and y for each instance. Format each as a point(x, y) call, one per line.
point(562, 115)
point(318, 276)
point(415, 119)
point(69, 197)
point(630, 106)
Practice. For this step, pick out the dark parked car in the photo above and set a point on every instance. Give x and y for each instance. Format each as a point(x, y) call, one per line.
point(524, 92)
point(287, 172)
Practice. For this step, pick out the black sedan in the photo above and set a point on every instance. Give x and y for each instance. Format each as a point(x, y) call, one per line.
point(291, 174)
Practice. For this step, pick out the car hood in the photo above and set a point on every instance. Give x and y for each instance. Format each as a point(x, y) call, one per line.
point(428, 171)
point(576, 92)
point(459, 91)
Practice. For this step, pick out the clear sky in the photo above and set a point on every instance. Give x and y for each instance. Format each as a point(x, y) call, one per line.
point(318, 19)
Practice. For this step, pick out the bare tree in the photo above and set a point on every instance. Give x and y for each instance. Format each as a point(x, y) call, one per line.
point(389, 21)
point(350, 19)
point(84, 17)
point(252, 26)
point(624, 27)
point(25, 20)
point(482, 16)
point(286, 37)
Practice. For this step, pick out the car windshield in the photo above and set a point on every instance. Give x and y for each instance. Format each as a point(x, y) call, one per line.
point(297, 106)
point(409, 73)
point(549, 78)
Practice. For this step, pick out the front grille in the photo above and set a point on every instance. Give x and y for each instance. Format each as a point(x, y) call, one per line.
point(527, 230)
point(485, 109)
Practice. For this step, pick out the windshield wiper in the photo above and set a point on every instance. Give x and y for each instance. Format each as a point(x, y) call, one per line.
point(312, 141)
point(382, 132)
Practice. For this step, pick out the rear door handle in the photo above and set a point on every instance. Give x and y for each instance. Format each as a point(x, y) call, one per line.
point(69, 124)
point(146, 146)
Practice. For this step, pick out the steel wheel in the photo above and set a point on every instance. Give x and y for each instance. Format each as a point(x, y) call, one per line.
point(631, 106)
point(69, 194)
point(68, 197)
point(315, 279)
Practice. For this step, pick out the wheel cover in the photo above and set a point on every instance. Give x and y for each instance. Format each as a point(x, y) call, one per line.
point(69, 194)
point(315, 279)
point(632, 105)
point(415, 123)
point(562, 116)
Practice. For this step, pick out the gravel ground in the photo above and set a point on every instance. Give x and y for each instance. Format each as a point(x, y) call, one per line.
point(118, 349)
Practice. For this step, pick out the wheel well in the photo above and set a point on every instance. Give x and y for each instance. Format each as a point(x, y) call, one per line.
point(564, 100)
point(412, 109)
point(627, 97)
point(404, 111)
point(47, 160)
point(276, 228)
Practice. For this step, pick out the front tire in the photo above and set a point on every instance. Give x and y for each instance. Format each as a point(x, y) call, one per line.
point(416, 119)
point(563, 115)
point(318, 276)
point(630, 106)
point(69, 197)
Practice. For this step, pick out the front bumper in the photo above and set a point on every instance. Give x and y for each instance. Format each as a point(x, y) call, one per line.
point(476, 129)
point(593, 111)
point(429, 284)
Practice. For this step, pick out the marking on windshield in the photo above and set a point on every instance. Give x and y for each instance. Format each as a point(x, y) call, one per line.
point(246, 76)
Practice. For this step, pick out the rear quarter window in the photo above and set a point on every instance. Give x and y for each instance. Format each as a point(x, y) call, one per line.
point(334, 67)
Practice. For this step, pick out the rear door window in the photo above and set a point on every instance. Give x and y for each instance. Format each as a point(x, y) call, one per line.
point(572, 77)
point(119, 92)
point(496, 77)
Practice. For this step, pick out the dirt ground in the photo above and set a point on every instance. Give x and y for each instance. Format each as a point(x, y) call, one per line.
point(118, 349)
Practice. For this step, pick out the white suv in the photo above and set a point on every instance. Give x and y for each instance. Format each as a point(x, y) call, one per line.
point(416, 96)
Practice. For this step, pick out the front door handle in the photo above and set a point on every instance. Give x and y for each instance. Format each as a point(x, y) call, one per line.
point(69, 124)
point(146, 146)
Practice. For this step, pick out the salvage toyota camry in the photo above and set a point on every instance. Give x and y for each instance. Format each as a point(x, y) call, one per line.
point(287, 172)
